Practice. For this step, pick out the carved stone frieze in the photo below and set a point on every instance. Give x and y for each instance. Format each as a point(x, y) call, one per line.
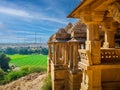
point(114, 11)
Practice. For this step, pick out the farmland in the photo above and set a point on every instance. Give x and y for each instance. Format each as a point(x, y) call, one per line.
point(22, 65)
point(28, 60)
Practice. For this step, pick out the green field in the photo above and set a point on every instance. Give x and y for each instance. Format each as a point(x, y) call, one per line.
point(31, 60)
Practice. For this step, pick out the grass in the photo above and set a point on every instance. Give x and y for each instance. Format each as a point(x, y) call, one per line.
point(47, 85)
point(27, 64)
point(23, 71)
point(28, 60)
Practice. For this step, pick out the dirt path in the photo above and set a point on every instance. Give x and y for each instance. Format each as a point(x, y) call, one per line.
point(30, 82)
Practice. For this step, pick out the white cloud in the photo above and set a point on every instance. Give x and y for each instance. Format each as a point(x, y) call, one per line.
point(26, 14)
point(15, 12)
point(29, 33)
point(23, 32)
point(48, 29)
point(53, 20)
point(2, 25)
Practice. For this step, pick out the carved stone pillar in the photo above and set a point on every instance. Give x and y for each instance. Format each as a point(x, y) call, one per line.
point(92, 19)
point(49, 59)
point(92, 32)
point(91, 80)
point(75, 57)
point(93, 42)
point(109, 39)
point(109, 26)
point(71, 56)
point(66, 54)
point(55, 53)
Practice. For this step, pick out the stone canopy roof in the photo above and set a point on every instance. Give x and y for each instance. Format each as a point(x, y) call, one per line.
point(78, 30)
point(62, 34)
point(71, 32)
point(68, 27)
point(61, 30)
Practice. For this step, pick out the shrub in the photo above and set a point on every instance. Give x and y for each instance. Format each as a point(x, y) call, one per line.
point(4, 62)
point(36, 69)
point(47, 85)
point(11, 76)
point(2, 73)
point(25, 70)
point(32, 69)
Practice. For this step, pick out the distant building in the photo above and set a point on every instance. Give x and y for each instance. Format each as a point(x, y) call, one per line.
point(15, 45)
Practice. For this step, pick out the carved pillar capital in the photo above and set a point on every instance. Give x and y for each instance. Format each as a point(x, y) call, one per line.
point(92, 17)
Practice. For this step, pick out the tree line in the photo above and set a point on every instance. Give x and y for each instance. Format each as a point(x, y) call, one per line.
point(24, 50)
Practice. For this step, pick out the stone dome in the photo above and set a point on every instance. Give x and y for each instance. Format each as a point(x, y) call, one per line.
point(68, 27)
point(61, 30)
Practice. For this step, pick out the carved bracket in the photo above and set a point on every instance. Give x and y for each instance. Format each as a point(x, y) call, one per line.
point(114, 11)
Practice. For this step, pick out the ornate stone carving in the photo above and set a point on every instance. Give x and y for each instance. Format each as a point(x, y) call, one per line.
point(114, 11)
point(60, 35)
point(78, 30)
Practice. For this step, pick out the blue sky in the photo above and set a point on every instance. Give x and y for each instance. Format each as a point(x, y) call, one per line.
point(25, 20)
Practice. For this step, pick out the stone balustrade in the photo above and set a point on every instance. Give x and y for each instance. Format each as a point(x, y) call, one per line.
point(110, 55)
point(85, 56)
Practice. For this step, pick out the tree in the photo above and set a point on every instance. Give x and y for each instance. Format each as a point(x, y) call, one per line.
point(23, 51)
point(4, 62)
point(44, 51)
point(10, 50)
